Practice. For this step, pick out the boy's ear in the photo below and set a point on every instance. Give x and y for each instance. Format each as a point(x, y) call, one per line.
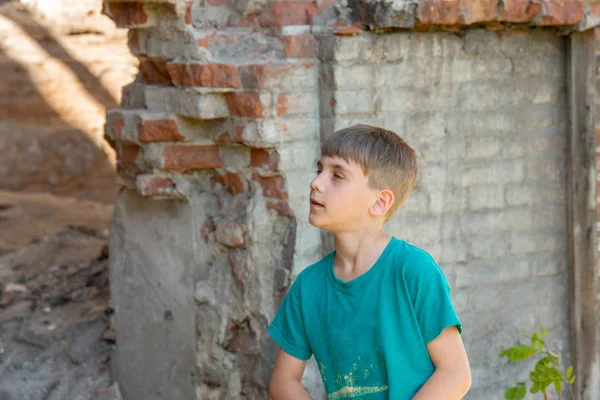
point(383, 204)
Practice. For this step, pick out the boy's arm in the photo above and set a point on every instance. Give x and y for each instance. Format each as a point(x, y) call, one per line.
point(452, 377)
point(286, 380)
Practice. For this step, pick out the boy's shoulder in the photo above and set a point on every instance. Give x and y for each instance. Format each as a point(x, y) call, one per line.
point(414, 263)
point(316, 270)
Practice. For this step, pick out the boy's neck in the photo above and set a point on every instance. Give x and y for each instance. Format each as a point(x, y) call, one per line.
point(355, 253)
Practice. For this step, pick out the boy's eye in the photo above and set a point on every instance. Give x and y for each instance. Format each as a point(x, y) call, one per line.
point(338, 176)
point(318, 171)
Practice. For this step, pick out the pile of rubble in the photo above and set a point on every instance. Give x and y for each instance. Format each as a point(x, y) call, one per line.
point(55, 338)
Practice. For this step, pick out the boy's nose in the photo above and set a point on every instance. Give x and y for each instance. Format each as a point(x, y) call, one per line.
point(315, 184)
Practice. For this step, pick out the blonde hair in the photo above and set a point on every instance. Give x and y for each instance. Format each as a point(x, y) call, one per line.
point(384, 157)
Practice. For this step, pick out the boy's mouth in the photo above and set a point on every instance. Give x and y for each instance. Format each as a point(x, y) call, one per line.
point(315, 204)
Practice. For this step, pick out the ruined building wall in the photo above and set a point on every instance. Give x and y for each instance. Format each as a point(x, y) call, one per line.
point(217, 140)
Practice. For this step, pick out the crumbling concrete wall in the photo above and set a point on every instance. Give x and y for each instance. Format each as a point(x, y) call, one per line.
point(223, 125)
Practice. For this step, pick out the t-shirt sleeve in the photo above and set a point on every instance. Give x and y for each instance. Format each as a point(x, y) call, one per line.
point(287, 328)
point(433, 306)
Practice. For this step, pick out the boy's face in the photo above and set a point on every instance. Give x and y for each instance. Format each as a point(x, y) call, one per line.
point(340, 196)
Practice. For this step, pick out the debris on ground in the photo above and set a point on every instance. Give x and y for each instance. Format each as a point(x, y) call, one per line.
point(55, 336)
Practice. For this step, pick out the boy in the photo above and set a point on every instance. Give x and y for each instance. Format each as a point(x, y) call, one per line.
point(376, 312)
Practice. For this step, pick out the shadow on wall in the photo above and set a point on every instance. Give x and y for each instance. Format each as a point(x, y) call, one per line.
point(52, 107)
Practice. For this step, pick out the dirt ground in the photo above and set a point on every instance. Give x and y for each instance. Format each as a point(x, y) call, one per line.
point(55, 338)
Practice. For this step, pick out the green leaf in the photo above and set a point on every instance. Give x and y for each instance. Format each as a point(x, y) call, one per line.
point(534, 388)
point(521, 391)
point(569, 371)
point(572, 380)
point(510, 393)
point(518, 353)
point(557, 385)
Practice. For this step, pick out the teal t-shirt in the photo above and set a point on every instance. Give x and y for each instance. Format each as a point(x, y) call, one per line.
point(368, 335)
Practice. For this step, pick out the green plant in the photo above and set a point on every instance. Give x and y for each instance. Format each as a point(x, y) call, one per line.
point(546, 371)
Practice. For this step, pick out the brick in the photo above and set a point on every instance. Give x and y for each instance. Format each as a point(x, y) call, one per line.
point(268, 132)
point(252, 21)
point(233, 182)
point(485, 272)
point(518, 10)
point(114, 126)
point(439, 12)
point(235, 156)
point(159, 131)
point(546, 169)
point(155, 72)
point(296, 103)
point(299, 156)
point(485, 197)
point(279, 131)
point(132, 96)
point(494, 173)
point(475, 11)
point(408, 75)
point(232, 136)
point(154, 186)
point(497, 221)
point(527, 243)
point(289, 75)
point(348, 77)
point(249, 104)
point(525, 293)
point(429, 125)
point(392, 47)
point(490, 95)
point(344, 29)
point(204, 75)
point(129, 14)
point(191, 157)
point(206, 106)
point(345, 102)
point(133, 41)
point(482, 147)
point(221, 41)
point(272, 186)
point(487, 247)
point(538, 193)
point(550, 216)
point(128, 154)
point(299, 46)
point(566, 12)
point(346, 48)
point(286, 13)
point(264, 158)
point(416, 100)
point(231, 234)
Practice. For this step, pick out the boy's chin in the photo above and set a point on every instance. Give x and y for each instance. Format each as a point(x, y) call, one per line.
point(316, 221)
point(313, 221)
point(320, 223)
